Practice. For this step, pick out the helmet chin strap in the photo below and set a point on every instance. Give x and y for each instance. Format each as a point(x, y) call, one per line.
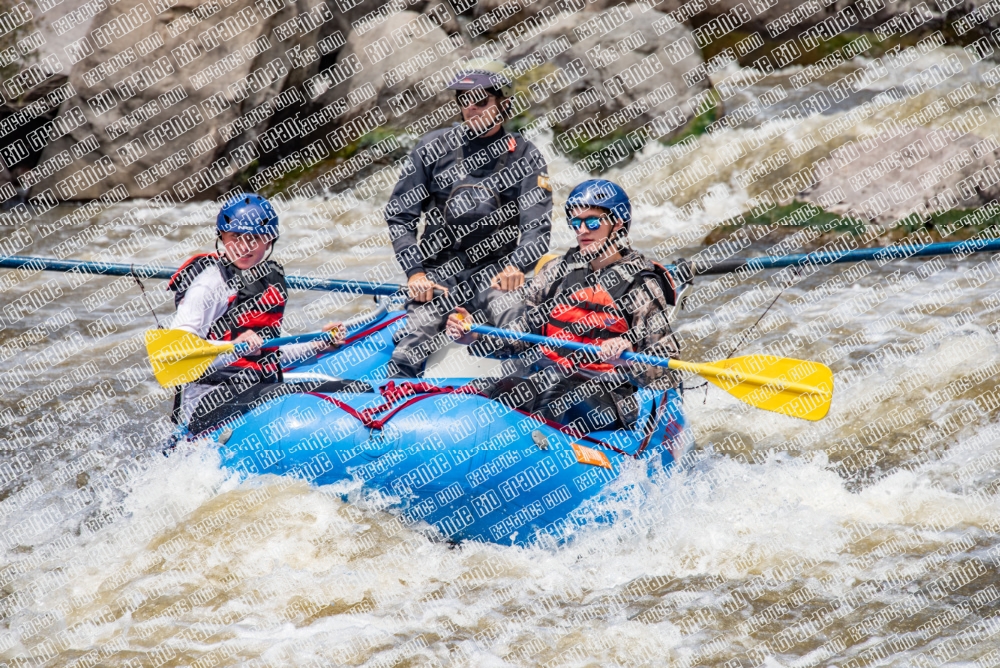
point(501, 117)
point(593, 255)
point(609, 241)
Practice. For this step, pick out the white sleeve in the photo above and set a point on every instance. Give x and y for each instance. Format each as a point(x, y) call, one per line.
point(205, 301)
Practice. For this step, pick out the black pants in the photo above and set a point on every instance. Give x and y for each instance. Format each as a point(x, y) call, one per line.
point(423, 333)
point(585, 404)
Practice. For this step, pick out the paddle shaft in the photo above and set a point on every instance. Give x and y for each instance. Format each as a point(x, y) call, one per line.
point(707, 267)
point(242, 349)
point(728, 375)
point(286, 340)
point(156, 271)
point(699, 267)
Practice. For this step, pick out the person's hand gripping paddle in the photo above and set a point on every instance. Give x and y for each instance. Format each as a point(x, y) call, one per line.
point(179, 357)
point(798, 388)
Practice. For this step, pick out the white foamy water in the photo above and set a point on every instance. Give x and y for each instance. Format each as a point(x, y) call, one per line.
point(869, 537)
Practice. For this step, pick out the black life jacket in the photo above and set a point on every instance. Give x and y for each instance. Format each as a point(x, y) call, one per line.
point(587, 308)
point(259, 305)
point(477, 220)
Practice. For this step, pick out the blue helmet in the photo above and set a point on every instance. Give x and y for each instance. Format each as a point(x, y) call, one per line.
point(604, 194)
point(248, 213)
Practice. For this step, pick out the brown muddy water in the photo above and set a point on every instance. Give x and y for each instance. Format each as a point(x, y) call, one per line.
point(869, 538)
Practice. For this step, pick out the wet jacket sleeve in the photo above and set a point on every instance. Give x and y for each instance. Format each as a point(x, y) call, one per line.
point(650, 333)
point(402, 213)
point(531, 314)
point(535, 203)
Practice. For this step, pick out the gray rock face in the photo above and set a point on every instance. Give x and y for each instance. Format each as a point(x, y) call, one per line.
point(395, 72)
point(177, 101)
point(491, 17)
point(616, 71)
point(887, 177)
point(786, 19)
point(31, 74)
point(348, 15)
point(774, 19)
point(970, 19)
point(60, 25)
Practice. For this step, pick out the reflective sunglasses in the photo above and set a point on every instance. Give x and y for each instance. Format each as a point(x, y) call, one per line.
point(468, 100)
point(593, 223)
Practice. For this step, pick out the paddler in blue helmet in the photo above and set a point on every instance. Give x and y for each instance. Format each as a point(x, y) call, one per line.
point(485, 197)
point(601, 292)
point(236, 294)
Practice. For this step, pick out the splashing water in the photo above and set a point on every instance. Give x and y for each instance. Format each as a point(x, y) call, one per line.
point(867, 538)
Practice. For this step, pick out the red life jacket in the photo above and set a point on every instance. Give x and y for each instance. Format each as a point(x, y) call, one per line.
point(590, 310)
point(258, 305)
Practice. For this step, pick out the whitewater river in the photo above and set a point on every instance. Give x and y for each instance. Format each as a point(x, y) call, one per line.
point(869, 538)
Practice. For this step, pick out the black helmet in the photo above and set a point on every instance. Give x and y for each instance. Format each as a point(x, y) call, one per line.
point(483, 73)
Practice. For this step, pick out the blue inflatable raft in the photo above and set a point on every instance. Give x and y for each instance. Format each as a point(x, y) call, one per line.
point(435, 449)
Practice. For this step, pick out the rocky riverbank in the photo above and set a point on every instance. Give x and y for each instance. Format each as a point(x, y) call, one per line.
point(802, 227)
point(180, 100)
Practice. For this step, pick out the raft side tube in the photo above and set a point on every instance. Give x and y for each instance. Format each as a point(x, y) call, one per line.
point(469, 466)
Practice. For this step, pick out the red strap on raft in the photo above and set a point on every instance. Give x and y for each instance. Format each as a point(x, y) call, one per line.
point(347, 408)
point(392, 394)
point(417, 392)
point(420, 391)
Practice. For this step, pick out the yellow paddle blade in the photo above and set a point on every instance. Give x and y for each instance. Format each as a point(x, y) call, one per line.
point(784, 385)
point(179, 357)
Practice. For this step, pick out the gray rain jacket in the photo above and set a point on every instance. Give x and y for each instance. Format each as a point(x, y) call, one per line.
point(487, 203)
